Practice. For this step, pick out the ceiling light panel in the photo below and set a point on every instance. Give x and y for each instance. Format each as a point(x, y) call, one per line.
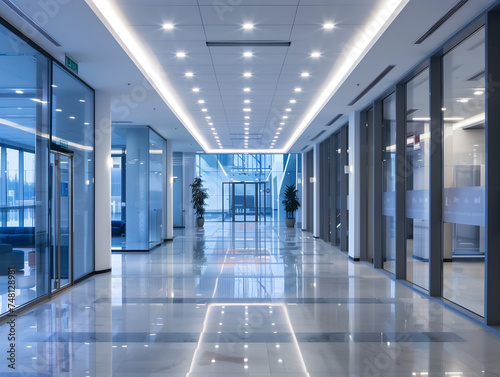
point(219, 71)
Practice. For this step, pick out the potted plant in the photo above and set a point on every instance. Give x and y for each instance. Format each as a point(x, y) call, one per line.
point(291, 203)
point(199, 195)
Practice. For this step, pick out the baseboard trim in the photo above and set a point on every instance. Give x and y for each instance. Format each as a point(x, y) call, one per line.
point(102, 271)
point(357, 259)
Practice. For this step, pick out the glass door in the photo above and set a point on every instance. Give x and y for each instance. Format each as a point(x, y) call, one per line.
point(251, 202)
point(61, 244)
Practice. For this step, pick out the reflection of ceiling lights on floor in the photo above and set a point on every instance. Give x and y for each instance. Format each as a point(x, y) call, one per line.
point(254, 317)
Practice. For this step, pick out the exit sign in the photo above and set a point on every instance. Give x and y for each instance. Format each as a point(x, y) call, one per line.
point(71, 64)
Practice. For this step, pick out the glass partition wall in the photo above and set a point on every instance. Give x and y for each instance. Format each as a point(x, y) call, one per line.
point(46, 155)
point(440, 109)
point(464, 173)
point(137, 188)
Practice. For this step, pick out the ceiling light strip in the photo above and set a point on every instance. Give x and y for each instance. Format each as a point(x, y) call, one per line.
point(372, 84)
point(441, 21)
point(111, 17)
point(363, 42)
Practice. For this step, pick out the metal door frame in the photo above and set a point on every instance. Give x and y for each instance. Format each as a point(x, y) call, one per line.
point(55, 210)
point(232, 189)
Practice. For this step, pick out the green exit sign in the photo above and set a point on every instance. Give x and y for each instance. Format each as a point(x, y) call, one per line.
point(71, 64)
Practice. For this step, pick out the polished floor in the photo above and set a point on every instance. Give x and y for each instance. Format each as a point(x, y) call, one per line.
point(250, 299)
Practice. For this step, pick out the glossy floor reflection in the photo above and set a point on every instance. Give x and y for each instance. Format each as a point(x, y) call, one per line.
point(249, 299)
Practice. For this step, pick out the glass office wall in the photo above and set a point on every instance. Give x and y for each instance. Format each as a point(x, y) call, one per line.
point(389, 183)
point(24, 146)
point(157, 147)
point(417, 179)
point(274, 171)
point(137, 187)
point(464, 173)
point(73, 133)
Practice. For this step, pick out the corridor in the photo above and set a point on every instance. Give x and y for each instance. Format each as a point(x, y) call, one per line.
point(247, 299)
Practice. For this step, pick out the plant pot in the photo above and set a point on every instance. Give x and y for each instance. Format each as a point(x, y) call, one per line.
point(290, 223)
point(200, 221)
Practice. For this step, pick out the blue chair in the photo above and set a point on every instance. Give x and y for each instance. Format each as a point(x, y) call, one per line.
point(10, 258)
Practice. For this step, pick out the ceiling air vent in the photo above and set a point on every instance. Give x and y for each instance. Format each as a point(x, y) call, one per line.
point(30, 22)
point(441, 21)
point(121, 122)
point(333, 120)
point(248, 43)
point(318, 135)
point(372, 84)
point(303, 149)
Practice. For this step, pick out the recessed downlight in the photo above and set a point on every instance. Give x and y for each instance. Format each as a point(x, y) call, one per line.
point(200, 101)
point(208, 117)
point(248, 54)
point(246, 101)
point(304, 74)
point(288, 109)
point(328, 26)
point(196, 90)
point(58, 110)
point(181, 54)
point(248, 26)
point(247, 74)
point(246, 89)
point(204, 110)
point(282, 123)
point(246, 124)
point(247, 109)
point(297, 90)
point(247, 117)
point(293, 101)
point(210, 124)
point(168, 26)
point(285, 116)
point(19, 92)
point(315, 54)
point(189, 74)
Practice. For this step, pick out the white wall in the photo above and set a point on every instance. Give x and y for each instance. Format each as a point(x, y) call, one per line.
point(102, 211)
point(354, 197)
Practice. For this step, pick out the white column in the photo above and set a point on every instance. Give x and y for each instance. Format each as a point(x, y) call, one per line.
point(102, 210)
point(168, 204)
point(188, 174)
point(354, 186)
point(316, 198)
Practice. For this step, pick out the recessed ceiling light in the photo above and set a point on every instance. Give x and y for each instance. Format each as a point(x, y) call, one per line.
point(248, 54)
point(196, 90)
point(247, 117)
point(213, 129)
point(247, 124)
point(247, 74)
point(168, 26)
point(214, 133)
point(276, 137)
point(54, 86)
point(19, 92)
point(304, 74)
point(246, 128)
point(58, 110)
point(189, 74)
point(181, 54)
point(463, 100)
point(247, 133)
point(285, 117)
point(248, 26)
point(201, 101)
point(210, 124)
point(328, 26)
point(478, 92)
point(246, 101)
point(315, 55)
point(277, 133)
point(204, 110)
point(246, 137)
point(208, 117)
point(246, 89)
point(293, 101)
point(288, 109)
point(82, 100)
point(87, 124)
point(280, 128)
point(72, 117)
point(443, 109)
point(297, 90)
point(282, 123)
point(247, 109)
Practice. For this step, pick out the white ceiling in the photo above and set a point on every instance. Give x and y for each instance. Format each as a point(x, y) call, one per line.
point(218, 71)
